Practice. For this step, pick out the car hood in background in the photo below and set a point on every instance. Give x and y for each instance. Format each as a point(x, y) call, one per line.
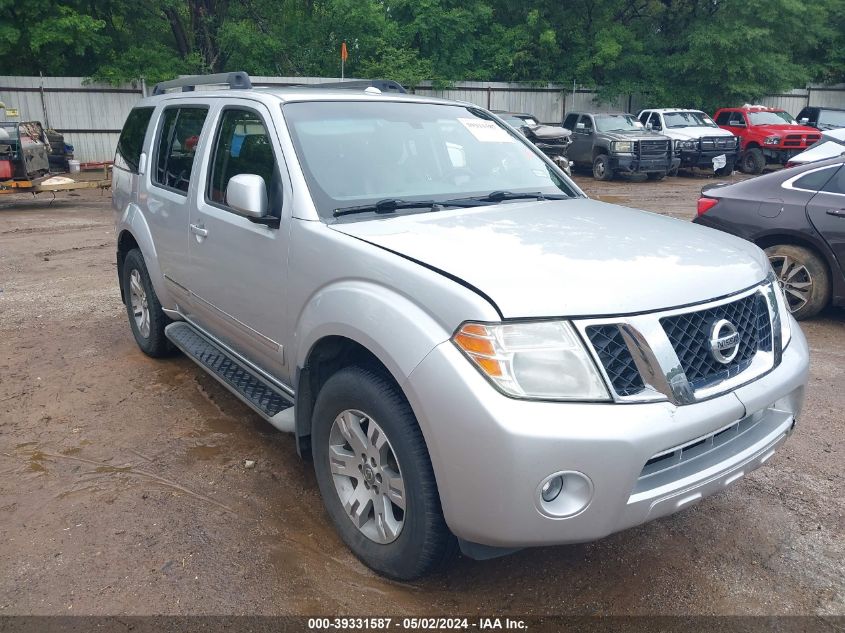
point(785, 128)
point(548, 132)
point(829, 149)
point(635, 135)
point(571, 257)
point(695, 132)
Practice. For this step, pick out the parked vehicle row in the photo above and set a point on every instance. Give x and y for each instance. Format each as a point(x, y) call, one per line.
point(661, 140)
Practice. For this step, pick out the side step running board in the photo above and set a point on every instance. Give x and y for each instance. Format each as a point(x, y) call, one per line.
point(269, 402)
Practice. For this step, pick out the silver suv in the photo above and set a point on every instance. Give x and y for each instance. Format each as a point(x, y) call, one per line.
point(472, 352)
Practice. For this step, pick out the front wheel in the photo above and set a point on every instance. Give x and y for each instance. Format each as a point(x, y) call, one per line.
point(803, 277)
point(601, 168)
point(375, 475)
point(753, 161)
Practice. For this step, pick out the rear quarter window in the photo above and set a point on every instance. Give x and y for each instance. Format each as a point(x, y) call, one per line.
point(131, 141)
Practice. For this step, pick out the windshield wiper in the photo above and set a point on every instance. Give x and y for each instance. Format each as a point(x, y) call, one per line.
point(494, 197)
point(388, 205)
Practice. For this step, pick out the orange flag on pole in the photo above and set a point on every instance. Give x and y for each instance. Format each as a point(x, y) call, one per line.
point(344, 54)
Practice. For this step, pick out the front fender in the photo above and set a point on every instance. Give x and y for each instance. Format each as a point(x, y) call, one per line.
point(390, 325)
point(132, 221)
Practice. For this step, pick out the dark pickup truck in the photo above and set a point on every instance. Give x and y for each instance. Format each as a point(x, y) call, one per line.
point(615, 142)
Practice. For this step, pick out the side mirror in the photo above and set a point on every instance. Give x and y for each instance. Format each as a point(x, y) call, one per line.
point(649, 126)
point(579, 127)
point(247, 194)
point(738, 123)
point(803, 120)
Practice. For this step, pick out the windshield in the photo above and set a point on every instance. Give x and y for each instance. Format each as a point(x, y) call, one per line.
point(515, 121)
point(831, 119)
point(357, 153)
point(617, 123)
point(688, 119)
point(778, 117)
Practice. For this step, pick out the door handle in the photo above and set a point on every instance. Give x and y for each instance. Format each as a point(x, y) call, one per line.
point(196, 229)
point(839, 213)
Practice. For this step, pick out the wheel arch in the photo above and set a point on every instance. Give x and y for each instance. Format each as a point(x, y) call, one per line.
point(134, 232)
point(357, 323)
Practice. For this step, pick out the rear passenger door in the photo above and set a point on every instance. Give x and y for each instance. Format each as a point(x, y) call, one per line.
point(238, 268)
point(168, 188)
point(827, 213)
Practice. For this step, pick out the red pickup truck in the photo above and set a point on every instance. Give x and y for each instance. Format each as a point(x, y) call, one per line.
point(768, 135)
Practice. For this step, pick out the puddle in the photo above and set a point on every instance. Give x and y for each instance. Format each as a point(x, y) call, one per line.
point(203, 453)
point(113, 469)
point(35, 460)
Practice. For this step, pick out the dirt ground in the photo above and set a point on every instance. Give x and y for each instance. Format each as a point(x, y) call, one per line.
point(123, 488)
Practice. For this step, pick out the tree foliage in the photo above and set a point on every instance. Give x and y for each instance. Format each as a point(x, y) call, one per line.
point(675, 52)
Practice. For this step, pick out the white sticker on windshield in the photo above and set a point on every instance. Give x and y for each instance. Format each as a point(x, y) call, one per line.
point(487, 131)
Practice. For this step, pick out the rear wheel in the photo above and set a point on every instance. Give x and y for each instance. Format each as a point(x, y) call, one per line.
point(601, 168)
point(375, 475)
point(803, 276)
point(753, 161)
point(146, 318)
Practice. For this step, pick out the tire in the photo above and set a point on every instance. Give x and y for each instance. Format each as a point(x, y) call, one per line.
point(804, 277)
point(752, 161)
point(601, 168)
point(357, 398)
point(138, 294)
point(657, 176)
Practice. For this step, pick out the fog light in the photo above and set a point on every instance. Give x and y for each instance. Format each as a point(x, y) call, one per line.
point(551, 489)
point(564, 494)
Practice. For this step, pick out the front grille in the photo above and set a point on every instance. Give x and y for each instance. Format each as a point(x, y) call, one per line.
point(617, 361)
point(689, 334)
point(653, 149)
point(800, 140)
point(711, 143)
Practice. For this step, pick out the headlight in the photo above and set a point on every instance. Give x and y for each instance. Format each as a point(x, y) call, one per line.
point(771, 140)
point(623, 147)
point(783, 310)
point(539, 359)
point(688, 144)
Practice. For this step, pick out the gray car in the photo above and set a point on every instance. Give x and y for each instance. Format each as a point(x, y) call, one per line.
point(472, 353)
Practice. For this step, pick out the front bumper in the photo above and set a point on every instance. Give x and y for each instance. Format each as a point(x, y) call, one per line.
point(491, 452)
point(634, 164)
point(704, 159)
point(781, 156)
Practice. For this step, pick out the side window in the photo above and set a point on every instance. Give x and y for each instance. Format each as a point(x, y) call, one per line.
point(736, 119)
point(131, 141)
point(815, 180)
point(644, 117)
point(655, 122)
point(242, 146)
point(837, 183)
point(723, 118)
point(569, 121)
point(177, 145)
point(587, 120)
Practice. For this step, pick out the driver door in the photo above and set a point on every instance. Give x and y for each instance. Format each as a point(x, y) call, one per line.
point(581, 149)
point(238, 268)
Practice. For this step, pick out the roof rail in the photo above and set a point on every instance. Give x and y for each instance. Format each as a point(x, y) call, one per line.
point(385, 85)
point(235, 80)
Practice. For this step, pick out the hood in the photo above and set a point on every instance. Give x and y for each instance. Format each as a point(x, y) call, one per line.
point(634, 135)
point(786, 128)
point(695, 132)
point(574, 257)
point(830, 149)
point(549, 132)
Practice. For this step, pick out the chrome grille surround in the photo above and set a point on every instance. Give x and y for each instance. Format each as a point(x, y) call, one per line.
point(660, 368)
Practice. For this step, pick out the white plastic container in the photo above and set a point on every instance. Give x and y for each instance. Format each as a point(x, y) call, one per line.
point(73, 166)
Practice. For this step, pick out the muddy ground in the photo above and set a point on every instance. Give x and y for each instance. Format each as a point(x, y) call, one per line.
point(123, 488)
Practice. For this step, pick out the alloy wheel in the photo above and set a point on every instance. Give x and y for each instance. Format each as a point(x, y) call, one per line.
point(367, 476)
point(138, 300)
point(794, 279)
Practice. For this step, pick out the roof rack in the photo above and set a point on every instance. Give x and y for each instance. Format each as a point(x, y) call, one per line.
point(236, 80)
point(385, 85)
